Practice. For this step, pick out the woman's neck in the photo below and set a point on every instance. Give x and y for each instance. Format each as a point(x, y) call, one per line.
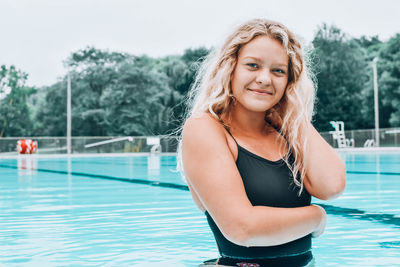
point(247, 123)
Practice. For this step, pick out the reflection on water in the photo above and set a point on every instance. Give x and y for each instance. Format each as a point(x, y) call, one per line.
point(153, 166)
point(27, 165)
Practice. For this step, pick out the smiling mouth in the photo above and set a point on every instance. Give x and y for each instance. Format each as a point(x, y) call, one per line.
point(261, 92)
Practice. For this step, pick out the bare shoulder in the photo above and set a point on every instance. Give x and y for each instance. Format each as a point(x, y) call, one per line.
point(203, 128)
point(202, 120)
point(204, 139)
point(205, 132)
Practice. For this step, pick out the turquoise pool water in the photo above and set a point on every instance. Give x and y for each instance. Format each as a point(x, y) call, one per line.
point(136, 211)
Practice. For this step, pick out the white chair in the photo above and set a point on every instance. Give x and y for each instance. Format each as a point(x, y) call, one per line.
point(155, 143)
point(339, 135)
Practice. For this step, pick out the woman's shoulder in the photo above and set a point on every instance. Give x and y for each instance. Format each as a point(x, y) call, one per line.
point(203, 128)
point(205, 133)
point(203, 123)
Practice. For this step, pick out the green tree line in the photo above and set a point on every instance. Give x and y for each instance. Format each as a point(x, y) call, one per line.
point(116, 94)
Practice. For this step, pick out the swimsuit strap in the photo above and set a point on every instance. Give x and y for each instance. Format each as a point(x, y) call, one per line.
point(226, 128)
point(277, 129)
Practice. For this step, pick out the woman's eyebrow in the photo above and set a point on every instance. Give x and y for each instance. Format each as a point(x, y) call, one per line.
point(253, 58)
point(281, 65)
point(259, 60)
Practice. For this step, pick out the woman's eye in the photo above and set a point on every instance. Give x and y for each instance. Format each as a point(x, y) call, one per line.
point(280, 71)
point(252, 65)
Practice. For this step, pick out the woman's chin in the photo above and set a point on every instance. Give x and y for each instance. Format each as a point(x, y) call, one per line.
point(258, 108)
point(257, 105)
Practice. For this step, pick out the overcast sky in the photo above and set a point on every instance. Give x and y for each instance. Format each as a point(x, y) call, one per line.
point(37, 35)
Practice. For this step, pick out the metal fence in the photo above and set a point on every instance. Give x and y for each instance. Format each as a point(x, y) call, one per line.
point(58, 145)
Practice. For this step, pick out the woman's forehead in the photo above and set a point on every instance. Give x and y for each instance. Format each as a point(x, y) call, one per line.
point(264, 47)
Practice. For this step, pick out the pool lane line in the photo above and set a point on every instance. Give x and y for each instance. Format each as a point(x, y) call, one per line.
point(370, 172)
point(107, 177)
point(349, 172)
point(350, 213)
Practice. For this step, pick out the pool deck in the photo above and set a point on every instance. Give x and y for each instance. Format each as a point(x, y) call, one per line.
point(369, 149)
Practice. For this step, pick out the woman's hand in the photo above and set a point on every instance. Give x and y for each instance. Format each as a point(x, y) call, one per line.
point(320, 229)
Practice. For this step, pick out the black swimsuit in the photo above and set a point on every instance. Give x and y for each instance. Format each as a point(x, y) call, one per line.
point(267, 183)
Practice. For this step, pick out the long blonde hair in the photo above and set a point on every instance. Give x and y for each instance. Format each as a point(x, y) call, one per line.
point(212, 89)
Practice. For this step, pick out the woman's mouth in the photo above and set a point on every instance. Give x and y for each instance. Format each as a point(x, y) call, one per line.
point(261, 91)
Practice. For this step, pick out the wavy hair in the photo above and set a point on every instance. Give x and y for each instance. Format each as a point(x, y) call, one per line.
point(211, 91)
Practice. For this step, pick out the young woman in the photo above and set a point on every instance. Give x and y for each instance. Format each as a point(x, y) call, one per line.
point(250, 155)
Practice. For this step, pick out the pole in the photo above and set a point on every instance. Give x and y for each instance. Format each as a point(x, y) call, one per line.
point(376, 104)
point(69, 114)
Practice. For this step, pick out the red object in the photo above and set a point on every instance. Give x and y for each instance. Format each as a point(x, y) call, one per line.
point(26, 146)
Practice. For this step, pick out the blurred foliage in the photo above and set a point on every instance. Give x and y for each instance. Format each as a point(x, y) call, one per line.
point(345, 79)
point(341, 73)
point(115, 94)
point(15, 116)
point(389, 79)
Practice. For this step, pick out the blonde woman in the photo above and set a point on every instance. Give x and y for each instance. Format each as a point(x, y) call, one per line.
point(251, 157)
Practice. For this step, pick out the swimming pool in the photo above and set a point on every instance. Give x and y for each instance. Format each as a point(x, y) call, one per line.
point(136, 211)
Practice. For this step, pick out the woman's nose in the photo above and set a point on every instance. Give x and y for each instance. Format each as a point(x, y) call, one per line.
point(263, 77)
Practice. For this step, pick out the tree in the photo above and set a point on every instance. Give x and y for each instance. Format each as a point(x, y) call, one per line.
point(133, 104)
point(193, 57)
point(92, 71)
point(15, 116)
point(181, 72)
point(388, 67)
point(341, 75)
point(389, 78)
point(51, 117)
point(372, 46)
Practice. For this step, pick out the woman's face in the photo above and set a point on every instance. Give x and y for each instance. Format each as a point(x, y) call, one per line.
point(260, 77)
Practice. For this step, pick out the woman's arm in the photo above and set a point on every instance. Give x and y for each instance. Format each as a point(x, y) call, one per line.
point(213, 176)
point(326, 172)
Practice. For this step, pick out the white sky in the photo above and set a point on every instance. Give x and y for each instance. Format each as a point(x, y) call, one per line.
point(37, 35)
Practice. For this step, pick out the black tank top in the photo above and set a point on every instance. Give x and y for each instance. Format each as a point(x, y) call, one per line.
point(267, 183)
